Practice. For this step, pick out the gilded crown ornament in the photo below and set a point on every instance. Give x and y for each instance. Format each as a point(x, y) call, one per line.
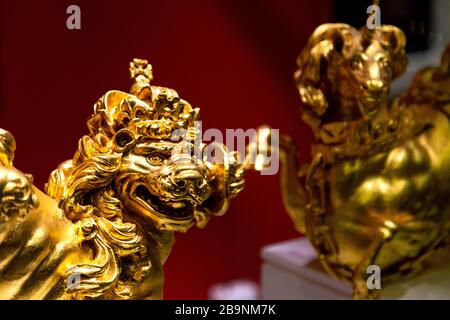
point(106, 224)
point(376, 190)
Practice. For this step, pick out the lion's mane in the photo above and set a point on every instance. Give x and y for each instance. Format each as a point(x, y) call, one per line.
point(84, 187)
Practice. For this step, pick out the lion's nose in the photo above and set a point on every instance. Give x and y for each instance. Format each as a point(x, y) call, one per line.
point(374, 86)
point(192, 183)
point(188, 178)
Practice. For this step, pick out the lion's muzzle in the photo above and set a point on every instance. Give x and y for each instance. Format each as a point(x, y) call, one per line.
point(189, 182)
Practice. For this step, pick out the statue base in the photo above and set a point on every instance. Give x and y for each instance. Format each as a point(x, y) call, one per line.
point(291, 271)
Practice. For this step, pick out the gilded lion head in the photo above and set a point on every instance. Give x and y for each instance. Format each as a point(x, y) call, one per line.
point(139, 167)
point(345, 74)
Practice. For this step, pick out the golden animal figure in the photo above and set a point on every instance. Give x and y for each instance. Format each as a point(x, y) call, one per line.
point(376, 191)
point(105, 227)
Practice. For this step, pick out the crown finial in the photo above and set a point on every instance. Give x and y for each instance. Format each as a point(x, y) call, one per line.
point(141, 71)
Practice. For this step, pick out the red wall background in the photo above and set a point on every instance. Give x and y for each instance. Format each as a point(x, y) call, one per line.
point(233, 59)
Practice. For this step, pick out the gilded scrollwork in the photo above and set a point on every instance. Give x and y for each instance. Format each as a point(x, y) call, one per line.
point(17, 197)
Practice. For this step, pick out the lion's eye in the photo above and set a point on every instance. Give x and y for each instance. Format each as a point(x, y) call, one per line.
point(155, 159)
point(356, 64)
point(384, 63)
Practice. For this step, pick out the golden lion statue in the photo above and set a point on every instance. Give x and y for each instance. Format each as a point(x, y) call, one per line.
point(376, 191)
point(106, 225)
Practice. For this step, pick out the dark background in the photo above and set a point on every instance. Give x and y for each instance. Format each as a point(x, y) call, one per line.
point(233, 59)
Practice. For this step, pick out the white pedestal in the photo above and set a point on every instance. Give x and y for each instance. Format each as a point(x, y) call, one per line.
point(292, 271)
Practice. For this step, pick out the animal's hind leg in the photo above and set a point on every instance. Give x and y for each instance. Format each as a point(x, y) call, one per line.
point(392, 244)
point(360, 288)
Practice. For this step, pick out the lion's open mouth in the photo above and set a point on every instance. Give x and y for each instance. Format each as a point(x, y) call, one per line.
point(174, 209)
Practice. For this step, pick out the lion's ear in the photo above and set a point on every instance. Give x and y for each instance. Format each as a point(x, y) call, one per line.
point(123, 140)
point(393, 39)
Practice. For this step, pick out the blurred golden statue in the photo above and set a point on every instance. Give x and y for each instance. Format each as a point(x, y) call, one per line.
point(105, 227)
point(376, 191)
